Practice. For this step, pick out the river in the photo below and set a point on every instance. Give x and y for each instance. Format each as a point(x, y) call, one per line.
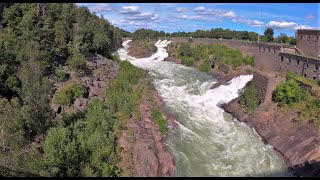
point(208, 141)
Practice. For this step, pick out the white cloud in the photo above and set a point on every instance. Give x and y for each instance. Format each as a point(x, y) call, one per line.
point(229, 14)
point(202, 18)
point(191, 17)
point(200, 8)
point(122, 23)
point(130, 10)
point(181, 9)
point(254, 23)
point(287, 25)
point(101, 7)
point(219, 13)
point(143, 16)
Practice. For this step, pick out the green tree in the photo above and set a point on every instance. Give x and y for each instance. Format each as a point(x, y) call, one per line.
point(34, 92)
point(293, 41)
point(268, 33)
point(288, 93)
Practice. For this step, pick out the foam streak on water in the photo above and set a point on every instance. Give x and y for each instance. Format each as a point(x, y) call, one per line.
point(208, 142)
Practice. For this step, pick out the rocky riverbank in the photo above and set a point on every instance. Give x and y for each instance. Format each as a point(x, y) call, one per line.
point(143, 150)
point(297, 142)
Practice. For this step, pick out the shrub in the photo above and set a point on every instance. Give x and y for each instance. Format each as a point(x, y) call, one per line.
point(288, 93)
point(188, 61)
point(60, 74)
point(205, 66)
point(248, 61)
point(248, 98)
point(69, 94)
point(157, 116)
point(86, 147)
point(77, 64)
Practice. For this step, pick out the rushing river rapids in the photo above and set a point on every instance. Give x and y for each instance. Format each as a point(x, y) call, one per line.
point(208, 142)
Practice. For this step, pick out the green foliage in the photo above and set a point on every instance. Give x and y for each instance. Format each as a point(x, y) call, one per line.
point(248, 98)
point(300, 79)
point(76, 60)
point(121, 97)
point(69, 94)
point(34, 93)
point(269, 34)
point(142, 34)
point(211, 54)
point(60, 74)
point(188, 61)
point(293, 41)
point(185, 49)
point(158, 117)
point(86, 147)
point(205, 66)
point(288, 93)
point(11, 123)
point(32, 43)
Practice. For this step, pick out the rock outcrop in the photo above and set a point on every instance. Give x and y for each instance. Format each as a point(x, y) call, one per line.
point(297, 142)
point(99, 70)
point(143, 146)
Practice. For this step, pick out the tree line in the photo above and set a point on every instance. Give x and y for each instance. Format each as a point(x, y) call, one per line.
point(216, 33)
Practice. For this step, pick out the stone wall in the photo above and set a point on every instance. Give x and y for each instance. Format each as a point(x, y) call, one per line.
point(260, 83)
point(308, 41)
point(301, 65)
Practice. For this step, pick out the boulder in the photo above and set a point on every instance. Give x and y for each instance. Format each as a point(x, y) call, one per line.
point(96, 91)
point(80, 104)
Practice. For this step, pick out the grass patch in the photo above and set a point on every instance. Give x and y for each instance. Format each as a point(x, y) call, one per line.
point(158, 117)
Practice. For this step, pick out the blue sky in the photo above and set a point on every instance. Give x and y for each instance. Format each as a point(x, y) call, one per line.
point(172, 17)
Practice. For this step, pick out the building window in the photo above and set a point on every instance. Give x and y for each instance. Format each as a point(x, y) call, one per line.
point(309, 38)
point(289, 60)
point(306, 65)
point(298, 62)
point(305, 75)
point(317, 38)
point(316, 67)
point(314, 77)
point(301, 37)
point(281, 58)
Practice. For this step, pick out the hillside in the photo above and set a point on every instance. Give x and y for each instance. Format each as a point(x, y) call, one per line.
point(64, 99)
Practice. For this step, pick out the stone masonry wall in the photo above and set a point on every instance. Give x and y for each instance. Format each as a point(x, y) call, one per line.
point(300, 65)
point(308, 41)
point(260, 83)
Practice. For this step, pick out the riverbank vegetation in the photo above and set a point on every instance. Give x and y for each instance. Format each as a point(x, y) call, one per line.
point(301, 94)
point(160, 120)
point(205, 57)
point(248, 98)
